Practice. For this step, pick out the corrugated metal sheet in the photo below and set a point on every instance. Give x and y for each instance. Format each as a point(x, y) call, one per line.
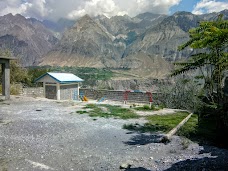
point(65, 77)
point(61, 77)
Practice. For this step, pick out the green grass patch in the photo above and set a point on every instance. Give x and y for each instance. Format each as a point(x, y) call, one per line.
point(90, 106)
point(168, 121)
point(158, 123)
point(148, 108)
point(82, 111)
point(203, 131)
point(110, 111)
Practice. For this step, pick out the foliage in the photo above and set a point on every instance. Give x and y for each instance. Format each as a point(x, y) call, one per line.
point(82, 111)
point(34, 73)
point(18, 74)
point(148, 108)
point(183, 94)
point(212, 38)
point(203, 132)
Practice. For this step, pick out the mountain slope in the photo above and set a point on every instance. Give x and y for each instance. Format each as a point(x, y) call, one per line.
point(85, 44)
point(28, 39)
point(163, 40)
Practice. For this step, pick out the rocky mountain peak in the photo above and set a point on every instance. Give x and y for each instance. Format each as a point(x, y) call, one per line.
point(84, 23)
point(147, 16)
point(84, 19)
point(100, 17)
point(184, 20)
point(27, 39)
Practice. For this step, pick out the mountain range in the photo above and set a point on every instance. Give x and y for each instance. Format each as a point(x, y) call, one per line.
point(145, 45)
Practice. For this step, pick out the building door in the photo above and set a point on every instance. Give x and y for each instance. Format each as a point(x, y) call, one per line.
point(51, 92)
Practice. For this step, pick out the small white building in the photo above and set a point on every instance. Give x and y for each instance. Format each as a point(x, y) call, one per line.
point(60, 86)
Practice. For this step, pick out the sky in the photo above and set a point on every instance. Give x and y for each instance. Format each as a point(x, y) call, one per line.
point(73, 9)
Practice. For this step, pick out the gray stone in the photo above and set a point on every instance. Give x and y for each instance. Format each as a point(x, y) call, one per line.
point(125, 166)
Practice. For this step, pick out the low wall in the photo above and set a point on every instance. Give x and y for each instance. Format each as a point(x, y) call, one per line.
point(32, 92)
point(122, 96)
point(113, 95)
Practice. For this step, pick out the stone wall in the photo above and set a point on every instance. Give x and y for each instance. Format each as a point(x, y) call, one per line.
point(32, 92)
point(121, 96)
point(113, 95)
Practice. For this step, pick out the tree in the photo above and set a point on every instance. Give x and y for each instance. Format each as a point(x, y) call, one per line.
point(18, 74)
point(211, 38)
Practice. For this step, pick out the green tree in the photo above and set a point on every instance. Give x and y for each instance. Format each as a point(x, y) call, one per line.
point(18, 74)
point(211, 38)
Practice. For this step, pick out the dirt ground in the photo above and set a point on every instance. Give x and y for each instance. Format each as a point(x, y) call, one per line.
point(39, 134)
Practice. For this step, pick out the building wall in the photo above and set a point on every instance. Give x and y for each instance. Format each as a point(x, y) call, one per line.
point(69, 92)
point(51, 92)
point(48, 79)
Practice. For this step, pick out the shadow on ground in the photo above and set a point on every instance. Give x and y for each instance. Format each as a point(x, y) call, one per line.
point(218, 161)
point(143, 139)
point(137, 169)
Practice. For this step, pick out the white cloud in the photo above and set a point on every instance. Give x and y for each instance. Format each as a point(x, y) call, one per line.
point(97, 7)
point(55, 9)
point(28, 8)
point(154, 6)
point(14, 7)
point(209, 6)
point(121, 7)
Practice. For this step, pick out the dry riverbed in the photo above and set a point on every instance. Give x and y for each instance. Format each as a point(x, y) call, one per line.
point(40, 134)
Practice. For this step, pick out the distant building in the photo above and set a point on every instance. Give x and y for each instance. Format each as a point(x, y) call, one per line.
point(60, 86)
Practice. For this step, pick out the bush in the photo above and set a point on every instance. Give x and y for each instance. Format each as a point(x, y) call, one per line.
point(14, 89)
point(146, 107)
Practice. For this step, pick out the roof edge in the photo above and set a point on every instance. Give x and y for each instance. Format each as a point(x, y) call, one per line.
point(36, 80)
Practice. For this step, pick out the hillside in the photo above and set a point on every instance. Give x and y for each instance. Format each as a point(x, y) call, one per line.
point(28, 39)
point(143, 46)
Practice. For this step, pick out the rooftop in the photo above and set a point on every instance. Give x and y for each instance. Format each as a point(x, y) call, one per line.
point(61, 77)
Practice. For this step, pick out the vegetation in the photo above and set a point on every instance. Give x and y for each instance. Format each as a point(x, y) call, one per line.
point(18, 74)
point(205, 131)
point(107, 111)
point(183, 94)
point(148, 108)
point(211, 36)
point(163, 123)
point(211, 40)
point(34, 73)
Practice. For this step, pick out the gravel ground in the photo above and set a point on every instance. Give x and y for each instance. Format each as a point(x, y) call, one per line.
point(41, 134)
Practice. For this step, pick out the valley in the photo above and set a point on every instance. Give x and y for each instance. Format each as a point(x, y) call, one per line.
point(141, 47)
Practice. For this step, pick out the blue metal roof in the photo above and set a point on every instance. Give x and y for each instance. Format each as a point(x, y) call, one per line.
point(61, 77)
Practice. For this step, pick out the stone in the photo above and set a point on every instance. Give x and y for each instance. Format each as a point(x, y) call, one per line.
point(125, 165)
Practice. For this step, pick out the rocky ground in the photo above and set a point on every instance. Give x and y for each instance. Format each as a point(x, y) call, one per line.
point(40, 134)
